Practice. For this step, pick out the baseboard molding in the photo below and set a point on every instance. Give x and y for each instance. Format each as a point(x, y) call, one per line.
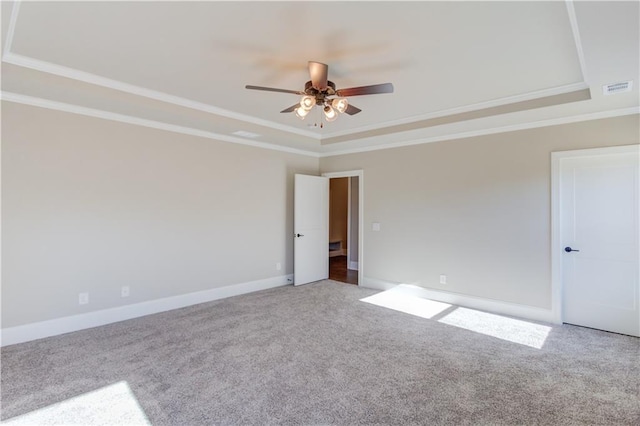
point(353, 266)
point(377, 284)
point(39, 330)
point(488, 305)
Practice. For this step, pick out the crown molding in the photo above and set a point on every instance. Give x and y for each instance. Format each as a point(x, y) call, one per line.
point(50, 68)
point(494, 130)
point(573, 21)
point(15, 8)
point(106, 115)
point(466, 108)
point(74, 74)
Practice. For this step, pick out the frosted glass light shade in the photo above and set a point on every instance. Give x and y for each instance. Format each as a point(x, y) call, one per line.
point(330, 113)
point(340, 104)
point(307, 102)
point(301, 113)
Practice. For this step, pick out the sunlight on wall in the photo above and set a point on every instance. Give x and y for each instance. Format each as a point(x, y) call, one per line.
point(408, 299)
point(111, 405)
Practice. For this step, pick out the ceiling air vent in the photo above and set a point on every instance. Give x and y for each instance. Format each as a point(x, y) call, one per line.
point(245, 134)
point(613, 88)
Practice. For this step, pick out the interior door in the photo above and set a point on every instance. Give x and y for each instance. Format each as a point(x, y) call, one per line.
point(599, 219)
point(311, 229)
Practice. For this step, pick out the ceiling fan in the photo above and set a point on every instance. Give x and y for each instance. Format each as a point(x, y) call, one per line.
point(319, 91)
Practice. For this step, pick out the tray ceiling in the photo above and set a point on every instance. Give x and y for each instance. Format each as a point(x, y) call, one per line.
point(457, 67)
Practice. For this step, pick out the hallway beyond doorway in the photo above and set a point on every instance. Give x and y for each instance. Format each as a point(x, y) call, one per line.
point(338, 270)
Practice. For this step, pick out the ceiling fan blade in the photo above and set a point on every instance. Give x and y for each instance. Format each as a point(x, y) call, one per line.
point(272, 89)
point(366, 90)
point(318, 72)
point(291, 108)
point(351, 110)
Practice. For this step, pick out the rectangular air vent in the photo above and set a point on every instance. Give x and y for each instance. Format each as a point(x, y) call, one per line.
point(245, 134)
point(613, 88)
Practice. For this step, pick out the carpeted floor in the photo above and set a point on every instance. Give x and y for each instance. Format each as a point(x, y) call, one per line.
point(316, 354)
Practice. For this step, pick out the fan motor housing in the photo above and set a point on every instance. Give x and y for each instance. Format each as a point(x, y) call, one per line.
point(330, 90)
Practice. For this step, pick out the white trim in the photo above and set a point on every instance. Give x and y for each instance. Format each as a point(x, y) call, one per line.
point(39, 330)
point(74, 109)
point(15, 8)
point(74, 74)
point(483, 132)
point(466, 108)
point(573, 20)
point(360, 175)
point(488, 305)
point(353, 266)
point(376, 284)
point(556, 209)
point(106, 115)
point(348, 220)
point(55, 69)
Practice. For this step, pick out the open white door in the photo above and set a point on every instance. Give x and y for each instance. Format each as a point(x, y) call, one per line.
point(599, 198)
point(311, 229)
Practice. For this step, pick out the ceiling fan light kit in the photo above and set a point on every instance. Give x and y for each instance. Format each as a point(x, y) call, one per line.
point(319, 91)
point(307, 102)
point(301, 112)
point(340, 104)
point(329, 113)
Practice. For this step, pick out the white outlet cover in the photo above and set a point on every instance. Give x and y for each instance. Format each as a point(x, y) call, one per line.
point(443, 279)
point(124, 292)
point(375, 226)
point(278, 266)
point(83, 298)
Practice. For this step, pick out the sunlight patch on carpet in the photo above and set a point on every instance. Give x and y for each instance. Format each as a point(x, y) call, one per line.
point(111, 405)
point(411, 299)
point(510, 329)
point(401, 299)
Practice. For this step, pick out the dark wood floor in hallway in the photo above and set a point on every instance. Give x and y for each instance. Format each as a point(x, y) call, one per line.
point(338, 270)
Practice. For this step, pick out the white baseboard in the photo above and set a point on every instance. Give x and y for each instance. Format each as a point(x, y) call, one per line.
point(39, 330)
point(377, 284)
point(488, 305)
point(353, 266)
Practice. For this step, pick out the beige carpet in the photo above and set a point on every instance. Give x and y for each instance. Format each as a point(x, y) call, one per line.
point(317, 354)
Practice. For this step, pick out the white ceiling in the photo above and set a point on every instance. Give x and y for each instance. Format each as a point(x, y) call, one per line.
point(183, 65)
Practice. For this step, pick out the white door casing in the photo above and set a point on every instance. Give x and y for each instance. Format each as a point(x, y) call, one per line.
point(597, 212)
point(311, 229)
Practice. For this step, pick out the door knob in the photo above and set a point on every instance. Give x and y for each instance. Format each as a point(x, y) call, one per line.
point(569, 249)
point(298, 235)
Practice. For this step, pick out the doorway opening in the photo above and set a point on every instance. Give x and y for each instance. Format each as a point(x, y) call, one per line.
point(346, 259)
point(344, 228)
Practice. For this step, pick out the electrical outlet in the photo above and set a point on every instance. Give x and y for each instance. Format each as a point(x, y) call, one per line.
point(278, 266)
point(83, 298)
point(443, 279)
point(124, 291)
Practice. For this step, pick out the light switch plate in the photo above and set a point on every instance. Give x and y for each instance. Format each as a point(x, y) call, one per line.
point(375, 226)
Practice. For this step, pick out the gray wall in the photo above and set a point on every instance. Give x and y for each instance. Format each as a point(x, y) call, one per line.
point(475, 209)
point(90, 205)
